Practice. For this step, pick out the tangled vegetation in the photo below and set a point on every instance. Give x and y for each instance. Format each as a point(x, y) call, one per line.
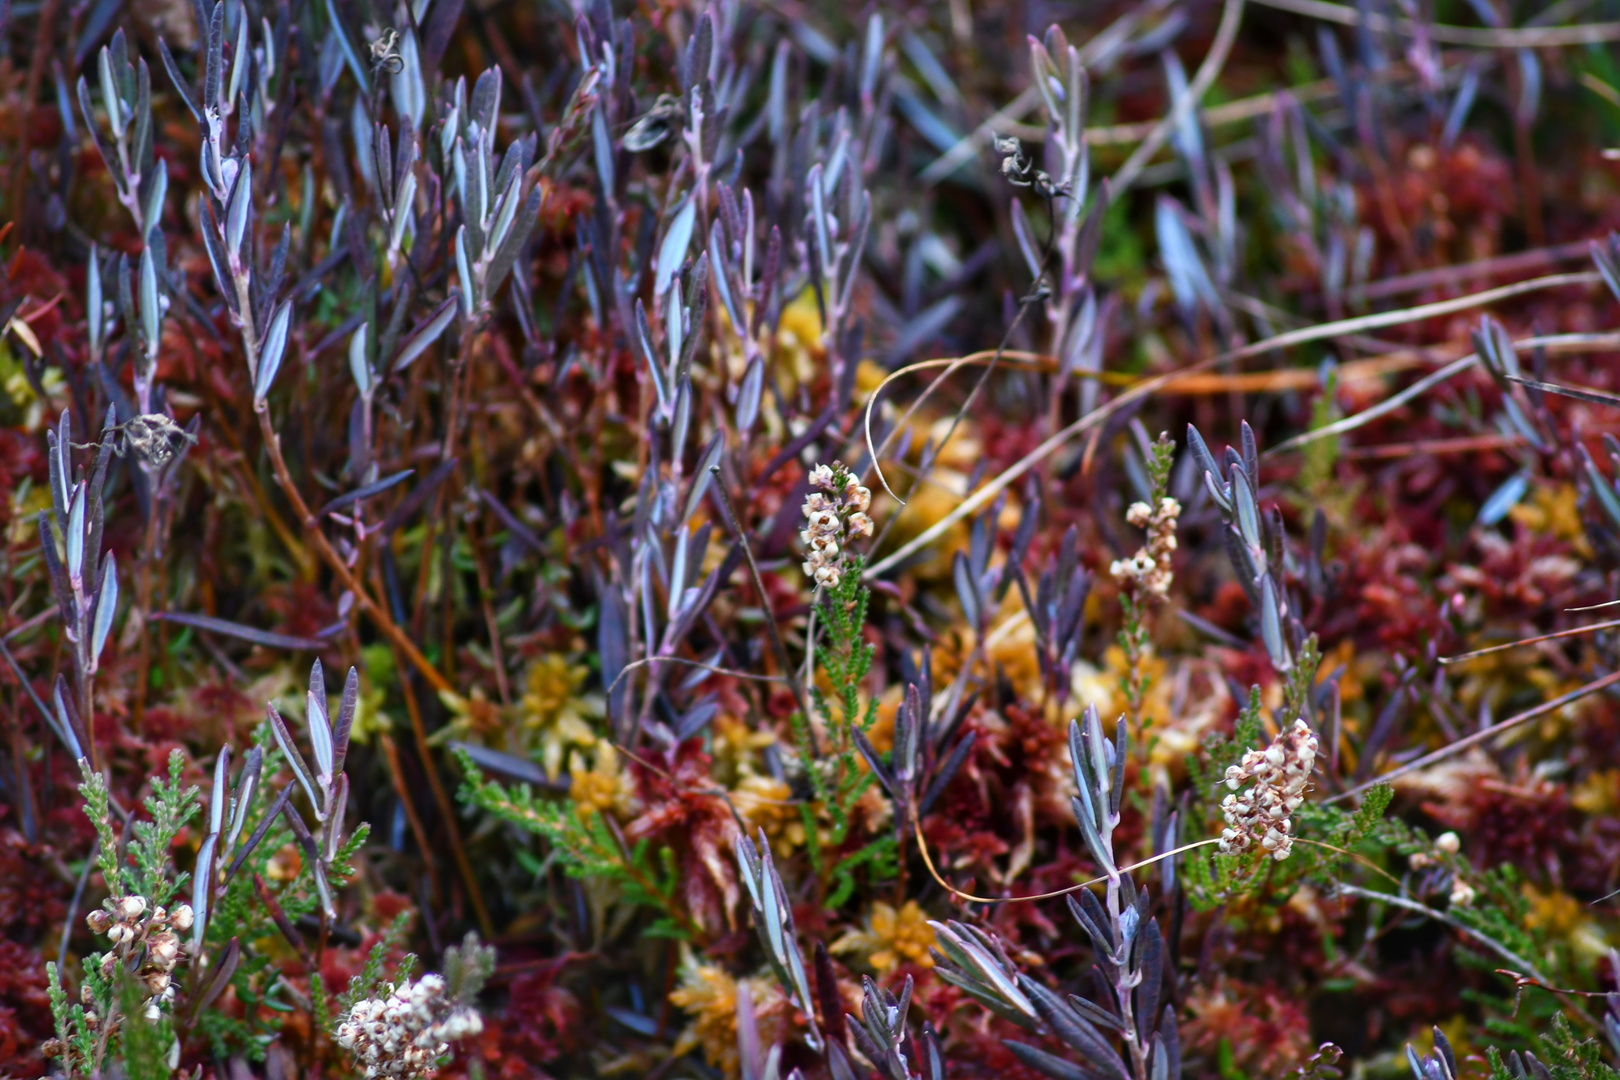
point(893, 540)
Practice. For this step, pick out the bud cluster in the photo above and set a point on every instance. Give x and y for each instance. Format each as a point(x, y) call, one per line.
point(833, 515)
point(1149, 571)
point(1280, 773)
point(138, 929)
point(407, 1032)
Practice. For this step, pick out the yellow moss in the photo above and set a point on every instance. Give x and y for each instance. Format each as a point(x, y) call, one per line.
point(1597, 794)
point(735, 747)
point(1556, 512)
point(1565, 918)
point(891, 938)
point(764, 802)
point(605, 787)
point(1092, 686)
point(555, 716)
point(709, 994)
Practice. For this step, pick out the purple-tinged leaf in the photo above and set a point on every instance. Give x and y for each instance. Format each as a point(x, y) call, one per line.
point(295, 760)
point(515, 768)
point(268, 639)
point(419, 495)
point(376, 487)
point(202, 890)
point(425, 334)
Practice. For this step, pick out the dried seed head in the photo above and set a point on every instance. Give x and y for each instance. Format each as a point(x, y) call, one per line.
point(164, 950)
point(1259, 816)
point(153, 438)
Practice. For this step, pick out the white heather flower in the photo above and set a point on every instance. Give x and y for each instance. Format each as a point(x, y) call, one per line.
point(164, 950)
point(131, 907)
point(1149, 571)
point(405, 1034)
point(857, 497)
point(1260, 814)
point(119, 933)
point(1449, 843)
point(181, 919)
point(833, 516)
point(1462, 893)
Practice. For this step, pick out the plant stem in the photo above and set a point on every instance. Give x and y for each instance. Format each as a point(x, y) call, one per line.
point(458, 850)
point(378, 614)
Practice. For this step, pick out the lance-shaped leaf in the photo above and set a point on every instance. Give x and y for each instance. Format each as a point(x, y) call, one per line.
point(704, 474)
point(93, 301)
point(1073, 1029)
point(947, 772)
point(75, 536)
point(334, 818)
point(345, 719)
point(106, 606)
point(366, 491)
point(247, 786)
point(358, 364)
point(220, 795)
point(672, 251)
point(874, 761)
point(236, 211)
point(289, 749)
point(219, 977)
point(259, 832)
point(267, 638)
point(464, 274)
point(350, 57)
point(974, 958)
point(749, 394)
point(320, 727)
point(202, 889)
point(152, 211)
point(1049, 1064)
point(510, 237)
point(1271, 627)
point(655, 366)
point(417, 341)
point(275, 345)
point(1150, 967)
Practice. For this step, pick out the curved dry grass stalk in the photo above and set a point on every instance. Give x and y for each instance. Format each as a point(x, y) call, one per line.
point(1320, 332)
point(1538, 639)
point(1526, 37)
point(1483, 735)
point(1553, 343)
point(1208, 72)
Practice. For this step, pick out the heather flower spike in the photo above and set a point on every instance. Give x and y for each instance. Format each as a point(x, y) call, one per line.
point(1260, 816)
point(834, 514)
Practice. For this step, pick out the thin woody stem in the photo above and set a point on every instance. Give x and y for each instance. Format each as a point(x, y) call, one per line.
point(377, 613)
